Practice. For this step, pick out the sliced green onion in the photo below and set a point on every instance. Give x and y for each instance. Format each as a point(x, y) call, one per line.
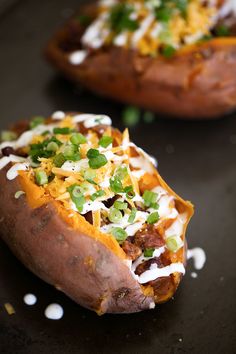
point(116, 184)
point(77, 197)
point(132, 215)
point(71, 153)
point(152, 218)
point(131, 116)
point(222, 31)
point(120, 205)
point(36, 121)
point(92, 153)
point(89, 176)
point(41, 178)
point(163, 13)
point(18, 194)
point(76, 191)
point(149, 198)
point(78, 138)
point(115, 215)
point(105, 141)
point(148, 117)
point(52, 146)
point(7, 135)
point(45, 133)
point(168, 51)
point(129, 191)
point(97, 162)
point(119, 234)
point(174, 243)
point(122, 172)
point(63, 131)
point(59, 160)
point(97, 194)
point(148, 252)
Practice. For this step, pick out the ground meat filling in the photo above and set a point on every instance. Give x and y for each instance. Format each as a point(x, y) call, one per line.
point(148, 237)
point(132, 251)
point(161, 261)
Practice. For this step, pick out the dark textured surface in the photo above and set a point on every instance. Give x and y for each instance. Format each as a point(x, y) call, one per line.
point(197, 159)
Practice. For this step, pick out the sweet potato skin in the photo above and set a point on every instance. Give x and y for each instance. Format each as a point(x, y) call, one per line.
point(198, 82)
point(80, 266)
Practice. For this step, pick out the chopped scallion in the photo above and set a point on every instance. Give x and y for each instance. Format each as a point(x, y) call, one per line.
point(105, 141)
point(120, 205)
point(97, 194)
point(36, 121)
point(41, 177)
point(132, 215)
point(78, 138)
point(119, 234)
point(153, 218)
point(115, 215)
point(148, 252)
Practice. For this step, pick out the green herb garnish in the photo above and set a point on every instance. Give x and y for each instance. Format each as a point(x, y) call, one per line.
point(97, 194)
point(150, 198)
point(105, 141)
point(120, 18)
point(78, 138)
point(116, 184)
point(119, 234)
point(63, 131)
point(131, 116)
point(168, 51)
point(36, 121)
point(7, 135)
point(120, 205)
point(41, 177)
point(148, 252)
point(77, 196)
point(153, 218)
point(132, 215)
point(115, 215)
point(222, 31)
point(59, 160)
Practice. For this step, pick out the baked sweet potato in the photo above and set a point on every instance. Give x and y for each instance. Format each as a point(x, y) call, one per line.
point(85, 210)
point(192, 80)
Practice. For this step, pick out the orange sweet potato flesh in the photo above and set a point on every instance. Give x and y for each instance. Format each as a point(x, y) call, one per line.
point(197, 83)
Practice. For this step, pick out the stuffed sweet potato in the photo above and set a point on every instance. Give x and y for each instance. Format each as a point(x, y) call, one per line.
point(174, 57)
point(86, 210)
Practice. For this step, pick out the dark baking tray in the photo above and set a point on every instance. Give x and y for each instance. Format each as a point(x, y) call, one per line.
point(198, 159)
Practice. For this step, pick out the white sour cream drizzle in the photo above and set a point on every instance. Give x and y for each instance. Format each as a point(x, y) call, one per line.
point(91, 120)
point(30, 299)
point(4, 161)
point(199, 257)
point(54, 312)
point(78, 57)
point(12, 173)
point(27, 136)
point(58, 115)
point(154, 272)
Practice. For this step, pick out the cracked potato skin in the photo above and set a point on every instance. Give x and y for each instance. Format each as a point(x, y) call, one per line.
point(80, 266)
point(199, 82)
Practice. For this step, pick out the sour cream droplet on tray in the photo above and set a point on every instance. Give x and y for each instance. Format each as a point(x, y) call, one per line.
point(54, 312)
point(30, 299)
point(199, 257)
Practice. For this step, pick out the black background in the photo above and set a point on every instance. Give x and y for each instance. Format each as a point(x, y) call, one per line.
point(196, 158)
